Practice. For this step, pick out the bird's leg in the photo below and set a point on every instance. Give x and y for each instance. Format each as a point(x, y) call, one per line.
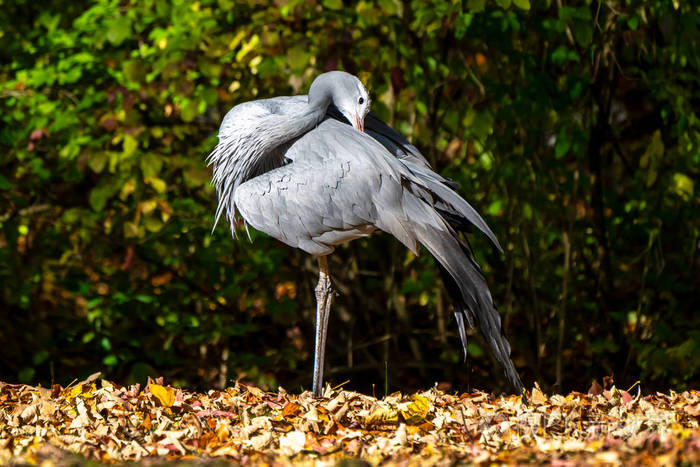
point(324, 297)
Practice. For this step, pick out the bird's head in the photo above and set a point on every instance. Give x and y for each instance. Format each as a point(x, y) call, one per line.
point(346, 92)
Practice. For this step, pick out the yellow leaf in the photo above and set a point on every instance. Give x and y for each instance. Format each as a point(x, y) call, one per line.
point(237, 39)
point(75, 391)
point(157, 184)
point(166, 396)
point(247, 47)
point(383, 416)
point(165, 210)
point(127, 189)
point(148, 206)
point(417, 410)
point(424, 298)
point(81, 388)
point(683, 185)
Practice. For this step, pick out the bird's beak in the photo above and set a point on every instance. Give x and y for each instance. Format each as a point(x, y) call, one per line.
point(359, 124)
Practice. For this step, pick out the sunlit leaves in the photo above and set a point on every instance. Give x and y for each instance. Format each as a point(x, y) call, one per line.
point(476, 5)
point(158, 184)
point(165, 395)
point(151, 165)
point(243, 422)
point(683, 186)
point(523, 4)
point(118, 29)
point(188, 110)
point(332, 4)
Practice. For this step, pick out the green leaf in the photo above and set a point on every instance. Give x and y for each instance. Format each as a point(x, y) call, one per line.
point(4, 183)
point(563, 145)
point(152, 224)
point(495, 208)
point(332, 4)
point(106, 344)
point(130, 145)
point(390, 7)
point(505, 4)
point(118, 30)
point(633, 23)
point(145, 298)
point(133, 230)
point(583, 32)
point(522, 4)
point(110, 360)
point(474, 350)
point(151, 165)
point(683, 186)
point(188, 110)
point(97, 161)
point(476, 5)
point(98, 198)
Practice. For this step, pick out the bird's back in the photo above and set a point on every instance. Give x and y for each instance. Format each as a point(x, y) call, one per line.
point(327, 195)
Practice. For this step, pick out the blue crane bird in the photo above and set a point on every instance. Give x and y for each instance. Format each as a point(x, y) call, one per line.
point(294, 168)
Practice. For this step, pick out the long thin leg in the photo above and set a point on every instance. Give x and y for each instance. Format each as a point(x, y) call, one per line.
point(324, 297)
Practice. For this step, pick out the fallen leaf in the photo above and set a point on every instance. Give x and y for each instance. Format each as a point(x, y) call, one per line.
point(417, 410)
point(292, 442)
point(595, 388)
point(166, 396)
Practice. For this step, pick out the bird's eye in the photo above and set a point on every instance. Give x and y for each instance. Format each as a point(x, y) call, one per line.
point(361, 101)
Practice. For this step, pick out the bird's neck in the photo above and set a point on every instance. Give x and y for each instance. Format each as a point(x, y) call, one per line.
point(311, 116)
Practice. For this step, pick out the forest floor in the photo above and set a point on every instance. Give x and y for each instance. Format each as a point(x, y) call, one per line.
point(97, 421)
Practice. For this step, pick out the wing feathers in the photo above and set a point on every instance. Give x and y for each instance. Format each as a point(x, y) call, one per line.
point(469, 292)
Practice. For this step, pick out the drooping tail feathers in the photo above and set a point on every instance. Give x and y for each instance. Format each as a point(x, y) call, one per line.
point(473, 305)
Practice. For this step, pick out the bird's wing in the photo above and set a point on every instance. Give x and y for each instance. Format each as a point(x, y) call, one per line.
point(330, 193)
point(327, 195)
point(460, 218)
point(253, 138)
point(344, 184)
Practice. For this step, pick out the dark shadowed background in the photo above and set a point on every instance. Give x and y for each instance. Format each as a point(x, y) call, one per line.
point(573, 129)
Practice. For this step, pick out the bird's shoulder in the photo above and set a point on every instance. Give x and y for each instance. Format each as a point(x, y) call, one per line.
point(252, 111)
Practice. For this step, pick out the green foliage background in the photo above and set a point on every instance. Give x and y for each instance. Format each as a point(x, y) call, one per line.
point(571, 125)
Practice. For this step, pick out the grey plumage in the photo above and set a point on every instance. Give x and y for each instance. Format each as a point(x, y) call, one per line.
point(293, 168)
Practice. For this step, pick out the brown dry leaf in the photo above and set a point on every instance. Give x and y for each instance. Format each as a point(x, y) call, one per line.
point(292, 442)
point(246, 425)
point(382, 416)
point(538, 398)
point(291, 409)
point(595, 388)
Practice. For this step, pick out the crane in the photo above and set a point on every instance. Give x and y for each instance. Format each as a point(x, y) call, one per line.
point(319, 170)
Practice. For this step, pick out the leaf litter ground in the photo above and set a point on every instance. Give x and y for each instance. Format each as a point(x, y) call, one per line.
point(98, 421)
